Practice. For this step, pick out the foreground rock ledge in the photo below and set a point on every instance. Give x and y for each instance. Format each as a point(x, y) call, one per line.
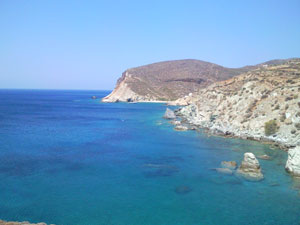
point(293, 162)
point(250, 168)
point(3, 222)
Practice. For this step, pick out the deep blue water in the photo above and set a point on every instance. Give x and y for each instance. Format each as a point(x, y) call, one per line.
point(70, 160)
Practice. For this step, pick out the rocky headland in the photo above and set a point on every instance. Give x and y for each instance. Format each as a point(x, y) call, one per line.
point(169, 80)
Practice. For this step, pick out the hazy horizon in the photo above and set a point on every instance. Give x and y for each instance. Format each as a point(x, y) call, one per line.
point(86, 45)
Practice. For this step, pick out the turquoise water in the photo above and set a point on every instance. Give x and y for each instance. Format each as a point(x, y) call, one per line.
point(70, 160)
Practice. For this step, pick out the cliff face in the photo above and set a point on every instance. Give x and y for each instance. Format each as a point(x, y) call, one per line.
point(168, 80)
point(262, 104)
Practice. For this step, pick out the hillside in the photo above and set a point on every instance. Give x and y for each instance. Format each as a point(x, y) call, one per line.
point(170, 80)
point(262, 104)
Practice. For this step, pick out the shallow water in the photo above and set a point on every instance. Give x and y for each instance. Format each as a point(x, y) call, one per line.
point(70, 160)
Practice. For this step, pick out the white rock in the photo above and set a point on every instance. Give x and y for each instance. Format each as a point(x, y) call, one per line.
point(169, 114)
point(250, 161)
point(293, 162)
point(250, 168)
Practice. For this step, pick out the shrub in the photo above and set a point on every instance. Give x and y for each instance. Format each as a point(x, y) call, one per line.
point(271, 127)
point(297, 125)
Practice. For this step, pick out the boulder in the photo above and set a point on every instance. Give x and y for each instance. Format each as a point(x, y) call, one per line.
point(169, 114)
point(229, 164)
point(293, 162)
point(250, 168)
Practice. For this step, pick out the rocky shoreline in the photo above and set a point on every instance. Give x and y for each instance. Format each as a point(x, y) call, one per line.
point(184, 121)
point(3, 222)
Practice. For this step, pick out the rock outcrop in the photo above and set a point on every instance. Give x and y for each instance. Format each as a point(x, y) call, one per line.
point(250, 168)
point(293, 162)
point(169, 114)
point(262, 104)
point(169, 80)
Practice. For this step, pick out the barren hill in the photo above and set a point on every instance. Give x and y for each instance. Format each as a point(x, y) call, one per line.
point(169, 80)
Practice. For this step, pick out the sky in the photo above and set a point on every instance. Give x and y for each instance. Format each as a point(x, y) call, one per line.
point(61, 44)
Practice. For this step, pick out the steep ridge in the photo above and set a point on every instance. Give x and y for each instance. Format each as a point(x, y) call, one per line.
point(169, 80)
point(262, 104)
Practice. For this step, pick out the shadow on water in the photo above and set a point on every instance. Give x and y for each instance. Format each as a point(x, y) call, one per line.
point(160, 172)
point(183, 190)
point(20, 165)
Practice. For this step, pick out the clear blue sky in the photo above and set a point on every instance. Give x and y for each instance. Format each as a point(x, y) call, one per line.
point(88, 44)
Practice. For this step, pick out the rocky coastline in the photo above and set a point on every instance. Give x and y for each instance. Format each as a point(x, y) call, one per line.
point(185, 121)
point(261, 103)
point(3, 222)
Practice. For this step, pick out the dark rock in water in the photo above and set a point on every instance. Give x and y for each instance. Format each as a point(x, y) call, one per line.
point(183, 189)
point(274, 185)
point(169, 114)
point(94, 97)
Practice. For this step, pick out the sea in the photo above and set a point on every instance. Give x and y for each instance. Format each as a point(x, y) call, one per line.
point(68, 159)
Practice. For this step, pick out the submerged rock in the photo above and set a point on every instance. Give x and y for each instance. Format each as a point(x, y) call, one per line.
point(229, 164)
point(293, 163)
point(250, 168)
point(183, 189)
point(224, 171)
point(159, 170)
point(181, 128)
point(169, 114)
point(264, 157)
